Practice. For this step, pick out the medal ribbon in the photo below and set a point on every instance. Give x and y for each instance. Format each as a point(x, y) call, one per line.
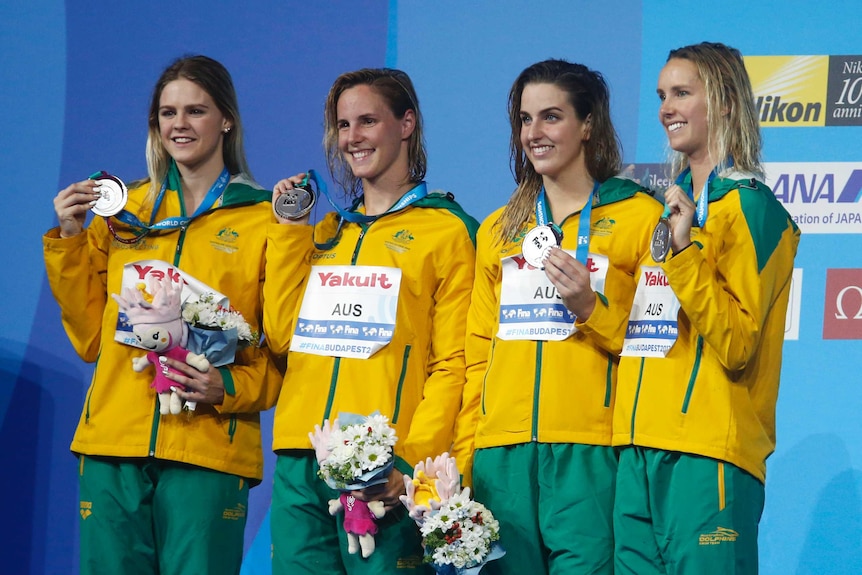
point(172, 180)
point(702, 208)
point(543, 218)
point(414, 195)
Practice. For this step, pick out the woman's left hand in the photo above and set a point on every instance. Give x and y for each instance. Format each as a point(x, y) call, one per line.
point(572, 280)
point(388, 492)
point(201, 386)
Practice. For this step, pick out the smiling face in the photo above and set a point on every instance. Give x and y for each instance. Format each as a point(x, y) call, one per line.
point(683, 110)
point(191, 126)
point(552, 134)
point(371, 139)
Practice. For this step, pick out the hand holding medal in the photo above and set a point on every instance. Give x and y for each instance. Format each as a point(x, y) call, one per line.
point(673, 230)
point(293, 198)
point(538, 242)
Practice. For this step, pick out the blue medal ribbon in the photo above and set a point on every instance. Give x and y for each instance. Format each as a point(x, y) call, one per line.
point(702, 208)
point(543, 218)
point(412, 196)
point(172, 180)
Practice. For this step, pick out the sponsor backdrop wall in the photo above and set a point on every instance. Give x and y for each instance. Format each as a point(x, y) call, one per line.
point(76, 80)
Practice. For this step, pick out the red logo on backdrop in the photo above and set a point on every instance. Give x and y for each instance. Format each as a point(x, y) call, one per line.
point(842, 316)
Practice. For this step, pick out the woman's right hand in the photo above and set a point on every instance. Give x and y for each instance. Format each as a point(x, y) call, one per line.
point(72, 204)
point(282, 187)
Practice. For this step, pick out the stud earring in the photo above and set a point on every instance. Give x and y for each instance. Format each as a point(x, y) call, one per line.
point(226, 130)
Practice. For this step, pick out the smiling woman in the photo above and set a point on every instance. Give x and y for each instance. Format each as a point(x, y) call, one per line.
point(154, 482)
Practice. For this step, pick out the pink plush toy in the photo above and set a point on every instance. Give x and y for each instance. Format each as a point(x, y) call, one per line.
point(359, 516)
point(159, 328)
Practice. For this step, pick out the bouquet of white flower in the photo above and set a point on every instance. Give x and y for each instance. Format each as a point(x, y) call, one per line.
point(459, 534)
point(216, 331)
point(353, 453)
point(357, 451)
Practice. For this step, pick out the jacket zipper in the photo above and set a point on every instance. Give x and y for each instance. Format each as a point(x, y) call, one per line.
point(333, 381)
point(536, 385)
point(694, 370)
point(635, 407)
point(485, 377)
point(400, 385)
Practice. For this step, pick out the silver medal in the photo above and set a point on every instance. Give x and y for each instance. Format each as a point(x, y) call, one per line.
point(538, 243)
point(660, 243)
point(113, 195)
point(295, 203)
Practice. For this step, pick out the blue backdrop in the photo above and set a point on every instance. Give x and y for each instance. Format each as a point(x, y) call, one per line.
point(76, 79)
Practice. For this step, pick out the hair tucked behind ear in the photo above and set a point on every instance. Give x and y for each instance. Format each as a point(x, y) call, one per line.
point(396, 89)
point(590, 97)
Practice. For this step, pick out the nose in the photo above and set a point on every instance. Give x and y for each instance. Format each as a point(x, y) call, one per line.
point(353, 134)
point(181, 120)
point(665, 108)
point(533, 131)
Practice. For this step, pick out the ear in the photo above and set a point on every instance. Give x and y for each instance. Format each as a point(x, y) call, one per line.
point(587, 128)
point(408, 124)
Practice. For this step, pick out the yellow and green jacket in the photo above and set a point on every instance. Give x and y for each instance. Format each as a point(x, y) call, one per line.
point(715, 393)
point(553, 391)
point(417, 379)
point(225, 249)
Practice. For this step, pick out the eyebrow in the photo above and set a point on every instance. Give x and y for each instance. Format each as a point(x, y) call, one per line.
point(545, 111)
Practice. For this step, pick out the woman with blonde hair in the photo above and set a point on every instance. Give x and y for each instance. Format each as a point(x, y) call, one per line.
point(695, 421)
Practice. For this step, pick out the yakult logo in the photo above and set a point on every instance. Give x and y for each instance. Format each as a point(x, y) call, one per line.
point(842, 316)
point(145, 271)
point(523, 265)
point(374, 279)
point(655, 279)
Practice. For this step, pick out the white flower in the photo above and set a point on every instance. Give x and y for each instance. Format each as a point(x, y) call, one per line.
point(358, 448)
point(206, 313)
point(460, 533)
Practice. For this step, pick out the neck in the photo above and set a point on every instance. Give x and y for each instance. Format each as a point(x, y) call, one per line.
point(196, 183)
point(700, 171)
point(568, 195)
point(380, 196)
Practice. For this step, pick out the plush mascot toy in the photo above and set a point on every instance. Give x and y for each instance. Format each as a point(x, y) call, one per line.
point(359, 516)
point(159, 328)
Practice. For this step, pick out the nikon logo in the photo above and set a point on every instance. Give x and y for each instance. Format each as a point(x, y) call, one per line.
point(789, 90)
point(771, 109)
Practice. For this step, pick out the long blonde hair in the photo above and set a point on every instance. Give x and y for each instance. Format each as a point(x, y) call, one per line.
point(590, 97)
point(396, 89)
point(214, 78)
point(734, 131)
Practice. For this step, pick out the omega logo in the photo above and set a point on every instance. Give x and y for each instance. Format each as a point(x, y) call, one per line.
point(839, 302)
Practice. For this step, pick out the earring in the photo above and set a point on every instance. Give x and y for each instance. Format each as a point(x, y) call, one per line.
point(226, 130)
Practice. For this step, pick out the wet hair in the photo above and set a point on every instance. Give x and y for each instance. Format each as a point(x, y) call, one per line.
point(730, 108)
point(590, 97)
point(213, 78)
point(396, 89)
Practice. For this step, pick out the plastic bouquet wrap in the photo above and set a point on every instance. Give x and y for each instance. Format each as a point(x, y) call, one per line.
point(460, 535)
point(353, 453)
point(216, 331)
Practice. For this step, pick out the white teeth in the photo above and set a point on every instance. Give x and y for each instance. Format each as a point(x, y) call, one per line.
point(675, 126)
point(361, 155)
point(540, 149)
point(182, 140)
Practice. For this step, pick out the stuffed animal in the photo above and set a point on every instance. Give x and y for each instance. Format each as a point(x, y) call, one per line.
point(359, 516)
point(158, 326)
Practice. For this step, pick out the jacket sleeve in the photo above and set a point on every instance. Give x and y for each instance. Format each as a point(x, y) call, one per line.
point(481, 322)
point(253, 381)
point(433, 422)
point(76, 269)
point(607, 324)
point(288, 251)
point(727, 300)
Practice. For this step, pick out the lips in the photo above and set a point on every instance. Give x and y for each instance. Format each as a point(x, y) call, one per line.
point(182, 140)
point(673, 127)
point(539, 150)
point(360, 154)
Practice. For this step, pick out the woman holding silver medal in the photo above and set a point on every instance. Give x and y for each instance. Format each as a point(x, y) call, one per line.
point(375, 324)
point(554, 281)
point(695, 409)
point(169, 493)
